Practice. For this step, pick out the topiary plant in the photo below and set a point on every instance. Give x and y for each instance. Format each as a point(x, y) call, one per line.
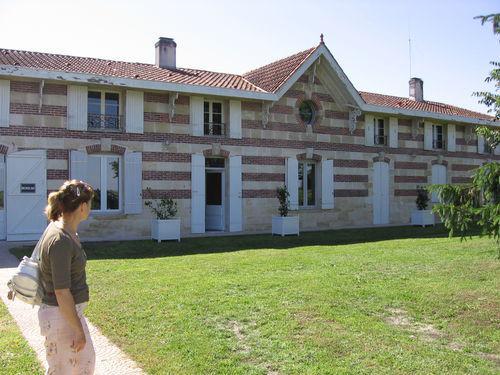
point(422, 198)
point(283, 195)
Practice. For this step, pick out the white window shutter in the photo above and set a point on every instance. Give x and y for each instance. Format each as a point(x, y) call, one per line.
point(4, 102)
point(235, 119)
point(427, 136)
point(196, 115)
point(235, 197)
point(393, 132)
point(292, 182)
point(327, 184)
point(77, 107)
point(134, 111)
point(438, 177)
point(133, 182)
point(480, 144)
point(197, 193)
point(78, 165)
point(369, 130)
point(497, 150)
point(451, 137)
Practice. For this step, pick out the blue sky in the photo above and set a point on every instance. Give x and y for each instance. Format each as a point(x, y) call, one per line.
point(369, 39)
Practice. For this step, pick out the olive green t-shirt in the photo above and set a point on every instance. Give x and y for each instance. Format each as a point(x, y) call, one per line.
point(62, 266)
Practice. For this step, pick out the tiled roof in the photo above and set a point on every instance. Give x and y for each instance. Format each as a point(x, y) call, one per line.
point(122, 69)
point(427, 106)
point(270, 77)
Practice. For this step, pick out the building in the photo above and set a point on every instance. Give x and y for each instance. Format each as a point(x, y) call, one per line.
point(220, 144)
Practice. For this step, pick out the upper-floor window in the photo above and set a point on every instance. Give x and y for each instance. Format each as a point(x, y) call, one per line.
point(437, 137)
point(307, 112)
point(104, 110)
point(380, 133)
point(213, 118)
point(104, 174)
point(307, 184)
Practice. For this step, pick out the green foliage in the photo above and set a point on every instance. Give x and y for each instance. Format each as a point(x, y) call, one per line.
point(165, 209)
point(283, 195)
point(422, 198)
point(491, 136)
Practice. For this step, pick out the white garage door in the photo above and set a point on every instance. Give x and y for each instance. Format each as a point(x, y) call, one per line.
point(26, 191)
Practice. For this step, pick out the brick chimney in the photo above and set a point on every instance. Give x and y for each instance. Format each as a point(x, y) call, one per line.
point(417, 89)
point(165, 53)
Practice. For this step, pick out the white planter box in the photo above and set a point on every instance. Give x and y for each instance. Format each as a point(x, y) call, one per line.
point(166, 229)
point(285, 225)
point(422, 217)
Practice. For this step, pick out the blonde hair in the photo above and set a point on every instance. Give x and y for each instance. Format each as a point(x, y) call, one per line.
point(68, 198)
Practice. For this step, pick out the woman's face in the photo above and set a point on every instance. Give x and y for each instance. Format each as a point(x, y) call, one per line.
point(85, 209)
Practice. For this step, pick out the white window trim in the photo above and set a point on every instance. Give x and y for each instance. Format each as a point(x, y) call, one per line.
point(434, 136)
point(103, 99)
point(317, 180)
point(103, 192)
point(376, 130)
point(210, 109)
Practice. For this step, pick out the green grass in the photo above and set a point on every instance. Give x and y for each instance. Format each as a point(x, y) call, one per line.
point(321, 303)
point(16, 357)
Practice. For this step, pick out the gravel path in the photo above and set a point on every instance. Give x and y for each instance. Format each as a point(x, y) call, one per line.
point(109, 358)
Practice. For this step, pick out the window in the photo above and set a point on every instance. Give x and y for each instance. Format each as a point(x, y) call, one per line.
point(307, 112)
point(437, 137)
point(488, 149)
point(213, 118)
point(380, 136)
point(103, 110)
point(307, 184)
point(104, 174)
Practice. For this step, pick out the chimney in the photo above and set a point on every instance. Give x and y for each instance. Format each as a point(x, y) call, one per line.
point(417, 89)
point(165, 53)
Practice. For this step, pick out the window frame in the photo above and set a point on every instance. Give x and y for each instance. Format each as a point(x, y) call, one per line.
point(103, 106)
point(211, 114)
point(376, 131)
point(435, 136)
point(103, 182)
point(314, 110)
point(305, 186)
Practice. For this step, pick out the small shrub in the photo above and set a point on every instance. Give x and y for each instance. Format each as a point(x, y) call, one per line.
point(165, 208)
point(422, 198)
point(283, 195)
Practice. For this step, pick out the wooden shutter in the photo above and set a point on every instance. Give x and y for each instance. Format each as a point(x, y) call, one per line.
point(196, 115)
point(369, 130)
point(438, 177)
point(78, 166)
point(77, 107)
point(134, 112)
point(4, 102)
point(427, 136)
point(235, 119)
point(235, 197)
point(292, 182)
point(393, 132)
point(480, 144)
point(197, 193)
point(327, 200)
point(133, 182)
point(380, 193)
point(450, 137)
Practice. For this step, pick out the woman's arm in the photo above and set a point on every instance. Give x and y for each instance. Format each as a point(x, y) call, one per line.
point(67, 307)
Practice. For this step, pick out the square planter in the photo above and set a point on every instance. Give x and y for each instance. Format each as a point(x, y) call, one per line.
point(283, 225)
point(422, 217)
point(169, 229)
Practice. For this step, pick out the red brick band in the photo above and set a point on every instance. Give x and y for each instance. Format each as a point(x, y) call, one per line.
point(263, 160)
point(351, 178)
point(347, 163)
point(32, 109)
point(463, 167)
point(404, 179)
point(341, 193)
point(461, 180)
point(53, 153)
point(174, 194)
point(57, 174)
point(259, 193)
point(405, 192)
point(166, 157)
point(410, 165)
point(280, 177)
point(166, 176)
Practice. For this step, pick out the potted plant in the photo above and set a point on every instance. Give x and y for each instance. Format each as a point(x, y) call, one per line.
point(422, 216)
point(165, 226)
point(284, 224)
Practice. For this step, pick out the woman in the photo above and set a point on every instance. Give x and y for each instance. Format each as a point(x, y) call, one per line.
point(68, 345)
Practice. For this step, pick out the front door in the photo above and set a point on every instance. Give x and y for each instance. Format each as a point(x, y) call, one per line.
point(380, 193)
point(3, 231)
point(26, 192)
point(214, 190)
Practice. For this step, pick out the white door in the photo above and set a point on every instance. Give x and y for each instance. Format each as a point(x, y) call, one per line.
point(438, 177)
point(214, 195)
point(380, 193)
point(26, 191)
point(3, 231)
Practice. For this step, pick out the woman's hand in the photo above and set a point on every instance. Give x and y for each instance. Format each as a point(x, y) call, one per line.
point(79, 342)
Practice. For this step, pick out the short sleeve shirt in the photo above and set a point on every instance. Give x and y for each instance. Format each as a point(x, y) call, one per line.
point(62, 266)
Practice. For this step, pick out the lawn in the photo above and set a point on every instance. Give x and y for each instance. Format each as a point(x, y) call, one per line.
point(388, 300)
point(16, 357)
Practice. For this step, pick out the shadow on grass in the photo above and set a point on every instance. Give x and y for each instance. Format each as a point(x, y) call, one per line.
point(208, 245)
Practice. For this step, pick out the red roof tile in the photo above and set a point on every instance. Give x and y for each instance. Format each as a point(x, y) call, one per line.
point(427, 106)
point(122, 69)
point(272, 76)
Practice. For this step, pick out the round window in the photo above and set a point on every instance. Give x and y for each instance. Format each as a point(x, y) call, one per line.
point(307, 112)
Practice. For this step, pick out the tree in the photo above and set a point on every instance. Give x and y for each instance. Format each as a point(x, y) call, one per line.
point(465, 209)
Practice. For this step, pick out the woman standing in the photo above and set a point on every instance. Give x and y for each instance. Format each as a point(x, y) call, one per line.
point(68, 345)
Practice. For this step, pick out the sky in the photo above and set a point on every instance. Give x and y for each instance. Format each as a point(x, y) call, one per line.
point(450, 50)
